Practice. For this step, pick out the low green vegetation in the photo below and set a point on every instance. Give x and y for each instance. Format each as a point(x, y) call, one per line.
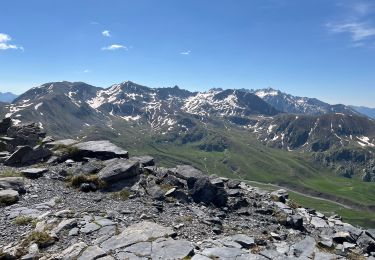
point(10, 173)
point(76, 180)
point(121, 195)
point(41, 238)
point(23, 220)
point(245, 158)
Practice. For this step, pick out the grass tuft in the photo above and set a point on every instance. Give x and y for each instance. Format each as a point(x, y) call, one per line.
point(10, 173)
point(121, 195)
point(41, 238)
point(77, 180)
point(23, 220)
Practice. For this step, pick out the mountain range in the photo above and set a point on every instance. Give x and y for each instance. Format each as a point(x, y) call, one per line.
point(259, 135)
point(7, 97)
point(172, 114)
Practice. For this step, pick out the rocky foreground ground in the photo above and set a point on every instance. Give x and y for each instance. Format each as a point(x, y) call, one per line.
point(89, 200)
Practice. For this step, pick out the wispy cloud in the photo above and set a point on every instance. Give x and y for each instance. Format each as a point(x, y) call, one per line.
point(114, 47)
point(5, 45)
point(363, 8)
point(358, 23)
point(86, 71)
point(185, 53)
point(106, 33)
point(358, 31)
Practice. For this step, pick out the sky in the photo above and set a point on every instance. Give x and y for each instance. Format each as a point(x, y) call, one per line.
point(321, 48)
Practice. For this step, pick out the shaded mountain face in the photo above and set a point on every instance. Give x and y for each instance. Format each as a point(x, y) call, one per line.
point(370, 112)
point(65, 108)
point(300, 105)
point(316, 133)
point(7, 97)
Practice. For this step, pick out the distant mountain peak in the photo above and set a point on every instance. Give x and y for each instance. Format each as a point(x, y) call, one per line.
point(7, 97)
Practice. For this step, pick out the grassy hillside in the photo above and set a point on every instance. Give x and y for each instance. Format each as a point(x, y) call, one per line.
point(247, 159)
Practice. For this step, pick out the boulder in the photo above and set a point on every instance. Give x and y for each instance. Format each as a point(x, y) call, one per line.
point(26, 134)
point(13, 183)
point(186, 172)
point(4, 125)
point(8, 197)
point(34, 173)
point(118, 170)
point(144, 161)
point(304, 248)
point(233, 184)
point(103, 150)
point(26, 155)
point(295, 222)
point(202, 190)
point(280, 195)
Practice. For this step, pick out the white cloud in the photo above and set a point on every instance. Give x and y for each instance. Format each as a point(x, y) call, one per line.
point(106, 33)
point(362, 8)
point(86, 71)
point(358, 31)
point(185, 52)
point(4, 43)
point(114, 47)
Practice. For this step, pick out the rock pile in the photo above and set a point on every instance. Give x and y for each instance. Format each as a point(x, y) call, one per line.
point(90, 200)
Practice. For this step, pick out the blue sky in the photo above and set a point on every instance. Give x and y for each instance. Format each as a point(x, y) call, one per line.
point(320, 48)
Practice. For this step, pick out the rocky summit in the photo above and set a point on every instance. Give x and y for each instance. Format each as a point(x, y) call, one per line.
point(68, 199)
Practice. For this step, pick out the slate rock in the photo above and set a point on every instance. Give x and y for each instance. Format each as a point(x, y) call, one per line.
point(202, 190)
point(144, 161)
point(186, 172)
point(13, 183)
point(233, 184)
point(244, 240)
point(92, 252)
point(103, 150)
point(89, 228)
point(225, 253)
point(140, 232)
point(34, 173)
point(171, 249)
point(61, 143)
point(280, 195)
point(318, 222)
point(4, 125)
point(118, 170)
point(304, 248)
point(8, 197)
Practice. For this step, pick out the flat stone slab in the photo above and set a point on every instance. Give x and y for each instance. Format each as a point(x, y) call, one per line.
point(34, 173)
point(141, 232)
point(171, 249)
point(64, 142)
point(92, 252)
point(225, 253)
point(186, 171)
point(100, 149)
point(145, 160)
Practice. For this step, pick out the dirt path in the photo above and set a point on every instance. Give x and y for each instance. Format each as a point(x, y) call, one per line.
point(297, 192)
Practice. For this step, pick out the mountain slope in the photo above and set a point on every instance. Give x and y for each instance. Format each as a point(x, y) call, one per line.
point(7, 97)
point(370, 112)
point(300, 105)
point(177, 116)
